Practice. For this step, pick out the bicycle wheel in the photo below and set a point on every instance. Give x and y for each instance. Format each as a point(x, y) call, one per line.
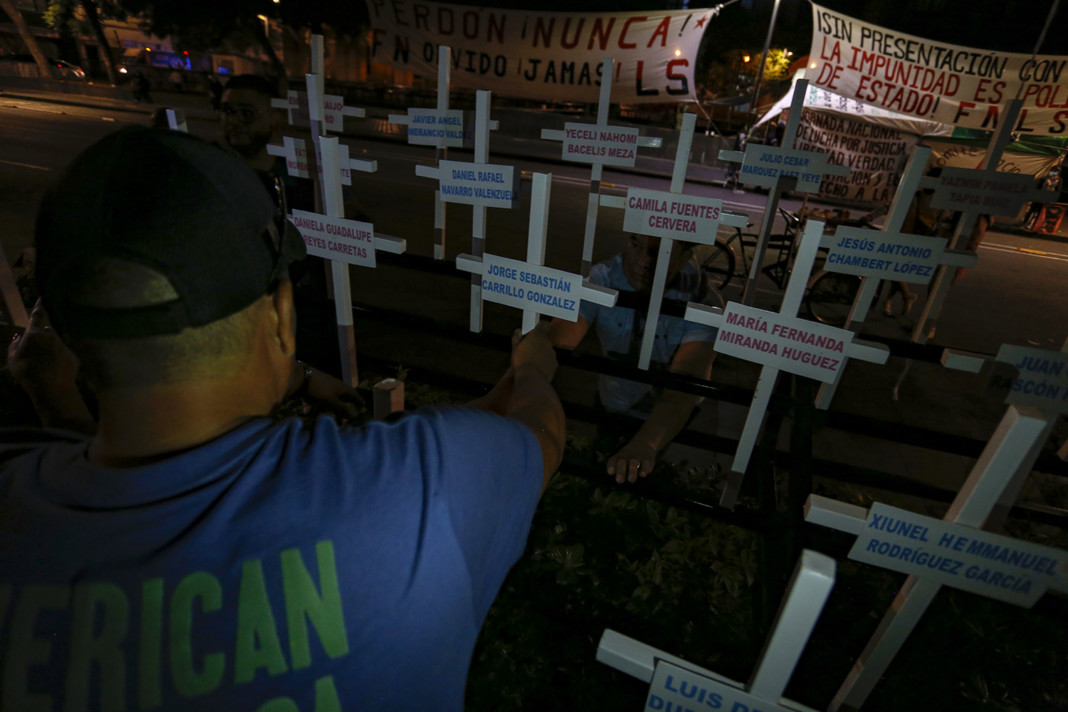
point(831, 296)
point(718, 267)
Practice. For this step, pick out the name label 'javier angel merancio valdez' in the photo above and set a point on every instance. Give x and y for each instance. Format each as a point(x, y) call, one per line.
point(338, 239)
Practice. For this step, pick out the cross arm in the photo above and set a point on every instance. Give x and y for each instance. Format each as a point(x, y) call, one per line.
point(424, 171)
point(867, 351)
point(704, 314)
point(831, 513)
point(390, 244)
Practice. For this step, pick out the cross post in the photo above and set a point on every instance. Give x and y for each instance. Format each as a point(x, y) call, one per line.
point(875, 255)
point(780, 341)
point(598, 144)
point(993, 482)
point(780, 169)
point(655, 213)
point(811, 584)
point(975, 191)
point(478, 184)
point(528, 285)
point(328, 234)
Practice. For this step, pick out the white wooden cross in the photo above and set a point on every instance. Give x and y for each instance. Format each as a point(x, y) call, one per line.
point(479, 184)
point(528, 285)
point(676, 684)
point(781, 341)
point(441, 128)
point(779, 168)
point(330, 235)
point(975, 191)
point(670, 216)
point(176, 121)
point(1039, 379)
point(9, 293)
point(876, 255)
point(600, 145)
point(954, 551)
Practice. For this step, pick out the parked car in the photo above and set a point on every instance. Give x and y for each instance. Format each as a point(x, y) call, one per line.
point(62, 69)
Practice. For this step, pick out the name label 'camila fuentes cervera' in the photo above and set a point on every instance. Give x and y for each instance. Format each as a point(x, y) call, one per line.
point(672, 215)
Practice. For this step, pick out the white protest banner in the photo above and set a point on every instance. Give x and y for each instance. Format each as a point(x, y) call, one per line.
point(875, 154)
point(543, 55)
point(436, 127)
point(606, 145)
point(477, 184)
point(1042, 377)
point(971, 559)
point(897, 256)
point(956, 155)
point(672, 215)
point(783, 341)
point(988, 192)
point(527, 286)
point(934, 80)
point(336, 238)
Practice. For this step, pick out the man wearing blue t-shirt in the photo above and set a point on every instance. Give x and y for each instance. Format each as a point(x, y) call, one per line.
point(196, 553)
point(680, 346)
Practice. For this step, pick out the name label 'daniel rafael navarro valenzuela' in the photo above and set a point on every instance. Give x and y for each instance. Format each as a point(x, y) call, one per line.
point(338, 239)
point(477, 184)
point(522, 285)
point(788, 343)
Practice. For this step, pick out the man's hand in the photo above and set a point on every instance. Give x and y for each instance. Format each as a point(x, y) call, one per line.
point(47, 370)
point(38, 359)
point(634, 460)
point(534, 349)
point(330, 395)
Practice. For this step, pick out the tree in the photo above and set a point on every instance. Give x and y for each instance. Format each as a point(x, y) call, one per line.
point(81, 17)
point(734, 73)
point(8, 6)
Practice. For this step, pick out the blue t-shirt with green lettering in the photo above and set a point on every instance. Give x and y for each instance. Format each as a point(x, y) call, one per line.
point(282, 567)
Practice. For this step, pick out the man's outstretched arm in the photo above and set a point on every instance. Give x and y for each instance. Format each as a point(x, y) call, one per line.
point(525, 393)
point(534, 401)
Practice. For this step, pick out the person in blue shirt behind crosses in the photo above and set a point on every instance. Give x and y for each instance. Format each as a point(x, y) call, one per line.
point(681, 346)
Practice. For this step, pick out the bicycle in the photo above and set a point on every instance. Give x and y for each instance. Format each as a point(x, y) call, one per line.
point(829, 296)
point(719, 267)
